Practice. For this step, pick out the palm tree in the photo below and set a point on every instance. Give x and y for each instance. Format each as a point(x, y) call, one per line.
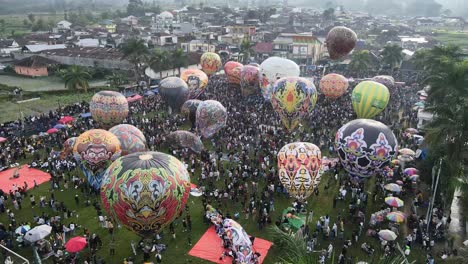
point(159, 61)
point(360, 62)
point(135, 51)
point(438, 58)
point(392, 55)
point(246, 49)
point(76, 77)
point(179, 59)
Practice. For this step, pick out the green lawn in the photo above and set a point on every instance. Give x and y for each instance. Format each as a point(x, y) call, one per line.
point(38, 84)
point(454, 38)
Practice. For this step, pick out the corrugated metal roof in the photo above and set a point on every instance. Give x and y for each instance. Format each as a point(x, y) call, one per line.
point(41, 47)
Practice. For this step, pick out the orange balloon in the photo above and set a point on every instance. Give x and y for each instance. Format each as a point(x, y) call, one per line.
point(333, 85)
point(232, 69)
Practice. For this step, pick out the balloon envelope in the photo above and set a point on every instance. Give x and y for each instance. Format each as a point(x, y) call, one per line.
point(108, 108)
point(299, 164)
point(185, 139)
point(190, 107)
point(386, 80)
point(196, 81)
point(174, 91)
point(333, 85)
point(210, 62)
point(210, 117)
point(232, 69)
point(273, 69)
point(94, 150)
point(369, 99)
point(292, 98)
point(365, 146)
point(145, 191)
point(131, 138)
point(68, 147)
point(340, 42)
point(249, 79)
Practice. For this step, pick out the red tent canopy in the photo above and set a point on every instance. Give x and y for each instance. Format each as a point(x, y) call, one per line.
point(66, 119)
point(52, 130)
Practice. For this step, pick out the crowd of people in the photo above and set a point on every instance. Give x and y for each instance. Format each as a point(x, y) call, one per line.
point(238, 171)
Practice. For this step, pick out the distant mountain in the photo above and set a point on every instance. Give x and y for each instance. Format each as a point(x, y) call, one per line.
point(37, 6)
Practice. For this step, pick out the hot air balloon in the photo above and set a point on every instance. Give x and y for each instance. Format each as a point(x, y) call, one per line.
point(174, 91)
point(249, 79)
point(386, 80)
point(241, 243)
point(365, 146)
point(67, 147)
point(145, 191)
point(196, 81)
point(273, 69)
point(108, 108)
point(292, 98)
point(340, 42)
point(333, 85)
point(94, 150)
point(210, 62)
point(185, 139)
point(369, 99)
point(232, 69)
point(189, 109)
point(299, 165)
point(131, 138)
point(211, 117)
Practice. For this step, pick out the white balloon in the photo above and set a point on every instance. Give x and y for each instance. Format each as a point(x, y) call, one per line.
point(273, 69)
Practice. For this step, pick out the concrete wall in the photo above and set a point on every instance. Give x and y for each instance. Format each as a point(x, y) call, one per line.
point(80, 61)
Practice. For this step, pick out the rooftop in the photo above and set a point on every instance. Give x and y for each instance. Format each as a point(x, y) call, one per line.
point(35, 62)
point(95, 53)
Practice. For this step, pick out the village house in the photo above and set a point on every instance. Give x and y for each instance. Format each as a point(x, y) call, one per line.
point(33, 66)
point(303, 48)
point(7, 46)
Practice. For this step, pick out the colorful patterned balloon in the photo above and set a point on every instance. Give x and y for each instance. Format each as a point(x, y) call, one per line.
point(189, 107)
point(369, 99)
point(131, 138)
point(273, 69)
point(67, 147)
point(210, 62)
point(333, 85)
point(145, 191)
point(365, 146)
point(292, 98)
point(211, 117)
point(241, 242)
point(185, 139)
point(108, 108)
point(94, 150)
point(386, 80)
point(249, 79)
point(174, 91)
point(340, 42)
point(196, 81)
point(299, 165)
point(232, 69)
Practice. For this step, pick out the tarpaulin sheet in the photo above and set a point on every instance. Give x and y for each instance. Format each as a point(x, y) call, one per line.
point(209, 247)
point(26, 174)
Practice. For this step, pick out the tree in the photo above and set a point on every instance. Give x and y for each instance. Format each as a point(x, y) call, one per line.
point(116, 79)
point(32, 18)
point(179, 59)
point(246, 49)
point(2, 26)
point(135, 8)
point(40, 25)
point(159, 61)
point(136, 52)
point(360, 62)
point(76, 77)
point(437, 59)
point(392, 55)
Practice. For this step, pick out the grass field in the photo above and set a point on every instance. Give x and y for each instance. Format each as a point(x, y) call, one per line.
point(454, 38)
point(38, 84)
point(15, 22)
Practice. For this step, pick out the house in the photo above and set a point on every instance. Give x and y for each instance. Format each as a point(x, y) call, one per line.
point(33, 66)
point(109, 25)
point(197, 46)
point(130, 20)
point(163, 22)
point(183, 28)
point(42, 47)
point(7, 46)
point(63, 25)
point(412, 43)
point(89, 43)
point(303, 48)
point(263, 50)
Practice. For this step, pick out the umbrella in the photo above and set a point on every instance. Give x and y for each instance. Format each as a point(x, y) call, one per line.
point(34, 136)
point(411, 130)
point(420, 104)
point(414, 177)
point(407, 152)
point(22, 229)
point(76, 244)
point(59, 126)
point(405, 158)
point(394, 201)
point(52, 131)
point(399, 182)
point(387, 235)
point(196, 192)
point(397, 217)
point(38, 233)
point(393, 187)
point(66, 119)
point(395, 162)
point(410, 171)
point(2, 139)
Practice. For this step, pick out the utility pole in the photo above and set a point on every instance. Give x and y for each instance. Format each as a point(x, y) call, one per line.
point(431, 205)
